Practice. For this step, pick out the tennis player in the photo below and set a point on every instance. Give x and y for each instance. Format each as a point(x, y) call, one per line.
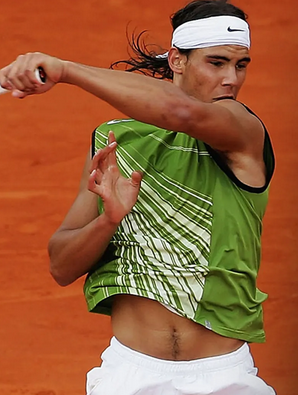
point(168, 219)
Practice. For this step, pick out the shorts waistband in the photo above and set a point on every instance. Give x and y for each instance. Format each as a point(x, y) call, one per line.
point(240, 356)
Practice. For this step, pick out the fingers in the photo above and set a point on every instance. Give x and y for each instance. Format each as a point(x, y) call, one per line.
point(99, 159)
point(94, 180)
point(19, 94)
point(136, 178)
point(111, 137)
point(20, 74)
point(112, 159)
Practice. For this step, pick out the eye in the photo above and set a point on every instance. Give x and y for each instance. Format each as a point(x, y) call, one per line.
point(241, 66)
point(216, 63)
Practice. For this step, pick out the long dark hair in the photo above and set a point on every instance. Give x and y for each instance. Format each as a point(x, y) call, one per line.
point(144, 60)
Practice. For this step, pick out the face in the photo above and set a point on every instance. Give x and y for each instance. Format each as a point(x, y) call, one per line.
point(213, 73)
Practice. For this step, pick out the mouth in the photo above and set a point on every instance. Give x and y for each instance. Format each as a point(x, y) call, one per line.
point(231, 97)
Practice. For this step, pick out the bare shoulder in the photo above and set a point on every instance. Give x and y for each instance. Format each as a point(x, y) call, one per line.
point(251, 127)
point(240, 111)
point(247, 164)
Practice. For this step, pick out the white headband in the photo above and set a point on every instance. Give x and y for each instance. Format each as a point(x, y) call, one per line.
point(210, 32)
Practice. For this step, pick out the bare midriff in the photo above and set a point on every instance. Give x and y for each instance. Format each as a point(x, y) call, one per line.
point(146, 326)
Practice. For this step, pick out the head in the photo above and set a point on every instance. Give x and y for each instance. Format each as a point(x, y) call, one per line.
point(207, 59)
point(209, 73)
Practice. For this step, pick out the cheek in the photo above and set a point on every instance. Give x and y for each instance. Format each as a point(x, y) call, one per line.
point(207, 79)
point(200, 81)
point(242, 78)
point(196, 87)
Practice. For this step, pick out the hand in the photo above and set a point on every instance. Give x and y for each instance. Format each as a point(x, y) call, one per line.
point(19, 76)
point(119, 194)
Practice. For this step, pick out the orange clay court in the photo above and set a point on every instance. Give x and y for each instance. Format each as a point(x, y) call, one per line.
point(48, 340)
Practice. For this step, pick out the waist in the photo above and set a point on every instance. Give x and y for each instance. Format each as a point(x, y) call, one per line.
point(178, 368)
point(148, 327)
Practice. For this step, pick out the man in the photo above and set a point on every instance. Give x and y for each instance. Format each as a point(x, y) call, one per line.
point(168, 229)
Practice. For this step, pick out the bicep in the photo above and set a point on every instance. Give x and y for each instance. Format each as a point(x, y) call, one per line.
point(84, 208)
point(224, 125)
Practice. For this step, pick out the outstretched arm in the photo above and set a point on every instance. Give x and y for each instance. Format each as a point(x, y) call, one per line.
point(224, 125)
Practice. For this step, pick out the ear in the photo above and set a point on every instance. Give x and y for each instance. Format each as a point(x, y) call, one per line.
point(176, 60)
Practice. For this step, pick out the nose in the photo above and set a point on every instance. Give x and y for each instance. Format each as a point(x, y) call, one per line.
point(230, 76)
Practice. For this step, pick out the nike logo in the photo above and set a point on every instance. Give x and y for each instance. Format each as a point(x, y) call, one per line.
point(229, 29)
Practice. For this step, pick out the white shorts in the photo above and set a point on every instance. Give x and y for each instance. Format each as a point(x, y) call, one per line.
point(128, 372)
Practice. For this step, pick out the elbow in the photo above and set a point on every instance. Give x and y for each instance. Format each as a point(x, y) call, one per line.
point(58, 269)
point(56, 266)
point(178, 115)
point(61, 278)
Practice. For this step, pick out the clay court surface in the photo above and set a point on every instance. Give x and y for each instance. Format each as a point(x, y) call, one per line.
point(48, 340)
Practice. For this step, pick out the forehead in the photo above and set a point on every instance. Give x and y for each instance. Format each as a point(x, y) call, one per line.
point(229, 51)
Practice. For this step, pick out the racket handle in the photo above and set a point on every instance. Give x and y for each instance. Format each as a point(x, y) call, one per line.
point(39, 74)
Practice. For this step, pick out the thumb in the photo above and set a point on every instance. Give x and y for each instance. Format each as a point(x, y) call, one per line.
point(136, 178)
point(19, 94)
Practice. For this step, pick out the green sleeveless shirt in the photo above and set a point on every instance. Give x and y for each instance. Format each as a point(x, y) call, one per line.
point(192, 240)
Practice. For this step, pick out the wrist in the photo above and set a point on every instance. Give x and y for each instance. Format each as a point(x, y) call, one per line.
point(108, 222)
point(65, 75)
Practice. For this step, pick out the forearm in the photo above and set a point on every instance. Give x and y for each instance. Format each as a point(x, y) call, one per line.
point(73, 252)
point(143, 98)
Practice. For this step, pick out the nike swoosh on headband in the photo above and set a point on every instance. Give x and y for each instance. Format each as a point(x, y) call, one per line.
point(229, 29)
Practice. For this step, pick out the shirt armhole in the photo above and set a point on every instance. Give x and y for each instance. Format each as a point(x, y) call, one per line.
point(93, 143)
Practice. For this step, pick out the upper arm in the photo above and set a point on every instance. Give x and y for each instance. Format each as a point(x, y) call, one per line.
point(84, 208)
point(225, 125)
